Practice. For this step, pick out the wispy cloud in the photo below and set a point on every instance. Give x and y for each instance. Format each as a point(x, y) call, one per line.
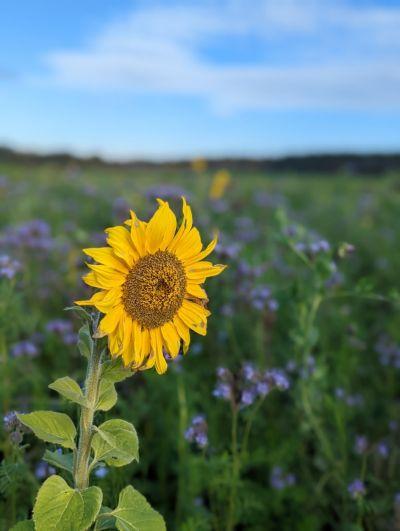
point(311, 54)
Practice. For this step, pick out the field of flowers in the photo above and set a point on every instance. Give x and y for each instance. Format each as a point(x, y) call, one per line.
point(286, 415)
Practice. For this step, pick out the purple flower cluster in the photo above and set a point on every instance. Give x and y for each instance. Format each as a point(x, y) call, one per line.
point(356, 489)
point(388, 351)
point(355, 400)
point(249, 384)
point(245, 229)
point(120, 208)
point(197, 431)
point(314, 248)
point(8, 267)
point(44, 470)
point(13, 426)
point(260, 298)
point(63, 329)
point(165, 191)
point(361, 445)
point(279, 480)
point(26, 348)
point(32, 235)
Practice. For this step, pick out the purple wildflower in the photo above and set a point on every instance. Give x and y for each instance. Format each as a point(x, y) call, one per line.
point(382, 449)
point(101, 472)
point(24, 348)
point(197, 431)
point(356, 489)
point(63, 329)
point(361, 444)
point(8, 267)
point(279, 480)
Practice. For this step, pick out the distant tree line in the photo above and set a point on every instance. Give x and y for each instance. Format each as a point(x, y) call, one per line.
point(349, 163)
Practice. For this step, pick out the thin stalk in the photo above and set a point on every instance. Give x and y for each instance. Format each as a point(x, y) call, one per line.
point(235, 469)
point(91, 391)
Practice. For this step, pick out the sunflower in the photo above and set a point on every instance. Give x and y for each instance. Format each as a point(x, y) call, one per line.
point(150, 278)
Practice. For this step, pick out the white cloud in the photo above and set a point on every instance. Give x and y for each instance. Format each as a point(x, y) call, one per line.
point(326, 55)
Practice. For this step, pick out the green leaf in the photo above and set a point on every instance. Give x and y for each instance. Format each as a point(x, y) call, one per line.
point(92, 498)
point(51, 427)
point(69, 389)
point(81, 312)
point(25, 525)
point(107, 396)
point(116, 442)
point(85, 341)
point(105, 520)
point(134, 513)
point(115, 371)
point(64, 461)
point(58, 507)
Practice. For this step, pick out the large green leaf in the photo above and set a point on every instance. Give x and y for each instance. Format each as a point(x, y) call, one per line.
point(107, 396)
point(58, 507)
point(25, 525)
point(69, 389)
point(85, 341)
point(116, 442)
point(64, 461)
point(134, 513)
point(92, 498)
point(51, 427)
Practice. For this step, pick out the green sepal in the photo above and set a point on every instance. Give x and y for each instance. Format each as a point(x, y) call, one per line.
point(85, 341)
point(51, 427)
point(80, 312)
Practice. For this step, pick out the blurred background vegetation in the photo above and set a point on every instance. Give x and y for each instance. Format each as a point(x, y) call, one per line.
point(310, 293)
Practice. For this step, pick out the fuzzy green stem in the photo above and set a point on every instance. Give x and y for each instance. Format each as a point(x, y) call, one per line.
point(93, 374)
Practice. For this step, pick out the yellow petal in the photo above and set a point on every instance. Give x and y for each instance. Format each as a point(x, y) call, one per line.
point(185, 227)
point(189, 245)
point(201, 270)
point(138, 233)
point(203, 254)
point(105, 277)
point(156, 346)
point(171, 339)
point(196, 291)
point(183, 332)
point(110, 321)
point(106, 256)
point(120, 240)
point(161, 229)
point(137, 343)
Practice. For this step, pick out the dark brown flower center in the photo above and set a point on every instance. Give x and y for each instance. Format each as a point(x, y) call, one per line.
point(154, 289)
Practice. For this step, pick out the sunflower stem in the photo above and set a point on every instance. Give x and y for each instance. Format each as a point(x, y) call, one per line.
point(91, 391)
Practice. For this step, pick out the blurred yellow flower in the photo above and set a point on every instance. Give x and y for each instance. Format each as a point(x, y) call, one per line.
point(219, 184)
point(199, 165)
point(150, 278)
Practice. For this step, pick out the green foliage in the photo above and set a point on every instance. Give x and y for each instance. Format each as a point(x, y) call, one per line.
point(107, 396)
point(59, 460)
point(51, 427)
point(26, 525)
point(85, 341)
point(58, 507)
point(133, 513)
point(69, 389)
point(116, 443)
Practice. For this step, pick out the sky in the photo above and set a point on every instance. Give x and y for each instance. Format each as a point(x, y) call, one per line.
point(177, 79)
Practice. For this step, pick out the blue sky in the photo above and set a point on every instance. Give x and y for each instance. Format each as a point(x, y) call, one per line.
point(160, 79)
